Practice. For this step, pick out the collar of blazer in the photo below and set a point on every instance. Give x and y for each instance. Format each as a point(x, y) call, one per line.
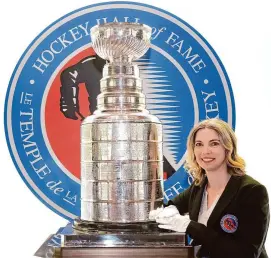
point(229, 192)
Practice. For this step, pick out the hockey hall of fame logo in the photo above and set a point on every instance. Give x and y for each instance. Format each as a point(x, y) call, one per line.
point(56, 82)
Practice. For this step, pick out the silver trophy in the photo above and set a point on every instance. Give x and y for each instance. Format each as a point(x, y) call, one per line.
point(121, 143)
point(121, 162)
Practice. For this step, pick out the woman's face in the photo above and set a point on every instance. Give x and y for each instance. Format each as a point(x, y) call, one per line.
point(209, 151)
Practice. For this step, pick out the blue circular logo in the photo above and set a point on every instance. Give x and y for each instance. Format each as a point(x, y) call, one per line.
point(56, 82)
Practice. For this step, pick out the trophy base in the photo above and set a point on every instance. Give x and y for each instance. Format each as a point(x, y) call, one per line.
point(84, 239)
point(83, 226)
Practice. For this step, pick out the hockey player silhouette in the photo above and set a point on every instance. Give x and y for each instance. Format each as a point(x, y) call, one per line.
point(89, 72)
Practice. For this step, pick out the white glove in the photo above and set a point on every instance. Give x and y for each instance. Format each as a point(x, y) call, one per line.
point(167, 212)
point(163, 212)
point(176, 223)
point(154, 213)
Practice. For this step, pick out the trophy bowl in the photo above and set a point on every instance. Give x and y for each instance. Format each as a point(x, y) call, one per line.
point(120, 40)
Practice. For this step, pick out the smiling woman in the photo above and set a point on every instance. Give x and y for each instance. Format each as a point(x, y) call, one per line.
point(222, 199)
point(212, 147)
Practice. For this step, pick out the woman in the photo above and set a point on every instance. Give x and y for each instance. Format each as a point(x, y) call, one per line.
point(228, 210)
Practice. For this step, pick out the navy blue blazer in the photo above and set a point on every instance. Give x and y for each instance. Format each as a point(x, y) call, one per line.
point(238, 225)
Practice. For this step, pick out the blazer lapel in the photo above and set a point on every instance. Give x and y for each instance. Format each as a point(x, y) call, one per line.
point(227, 195)
point(197, 201)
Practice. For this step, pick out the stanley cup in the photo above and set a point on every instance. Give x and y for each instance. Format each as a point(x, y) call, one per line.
point(121, 143)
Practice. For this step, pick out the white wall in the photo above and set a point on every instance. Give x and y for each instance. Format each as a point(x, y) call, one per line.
point(240, 33)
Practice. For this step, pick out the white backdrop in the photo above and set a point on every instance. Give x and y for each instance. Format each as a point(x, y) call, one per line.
point(240, 33)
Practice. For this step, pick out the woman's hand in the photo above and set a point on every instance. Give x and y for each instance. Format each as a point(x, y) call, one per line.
point(154, 213)
point(176, 222)
point(163, 212)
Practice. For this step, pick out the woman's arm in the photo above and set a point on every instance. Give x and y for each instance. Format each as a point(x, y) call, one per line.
point(251, 232)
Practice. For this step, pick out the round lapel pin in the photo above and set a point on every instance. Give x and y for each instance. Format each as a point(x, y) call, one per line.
point(229, 223)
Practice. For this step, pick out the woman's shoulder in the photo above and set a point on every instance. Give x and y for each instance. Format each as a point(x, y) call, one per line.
point(249, 181)
point(251, 185)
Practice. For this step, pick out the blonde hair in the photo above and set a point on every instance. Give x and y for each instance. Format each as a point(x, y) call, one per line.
point(236, 165)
